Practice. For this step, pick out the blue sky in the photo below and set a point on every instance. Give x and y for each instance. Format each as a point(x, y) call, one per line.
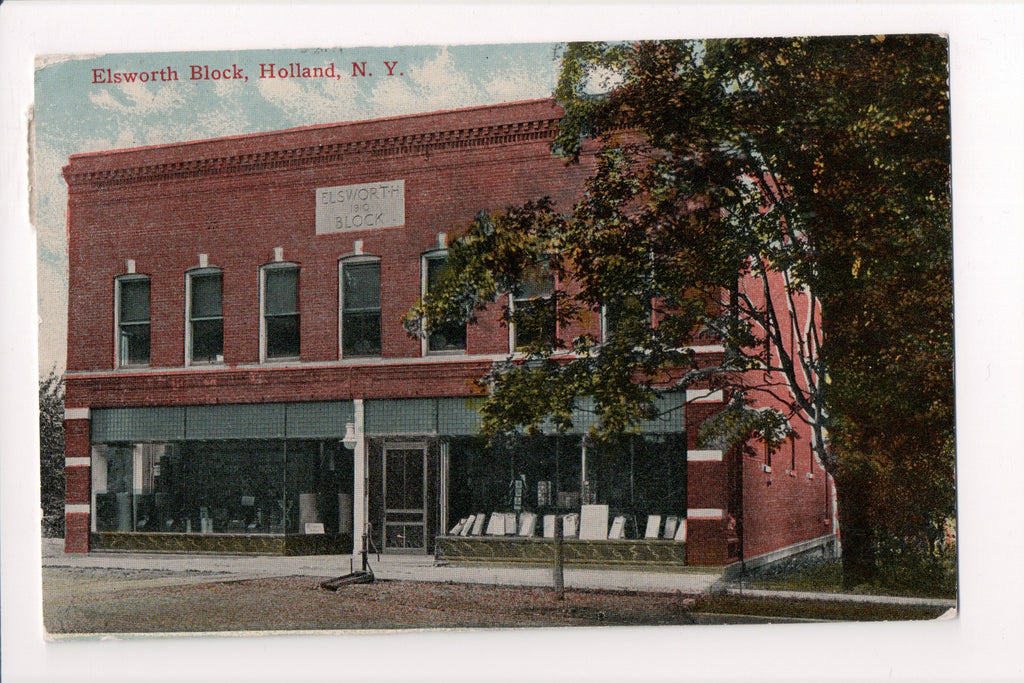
point(75, 115)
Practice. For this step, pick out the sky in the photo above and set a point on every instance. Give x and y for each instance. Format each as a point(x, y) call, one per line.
point(78, 109)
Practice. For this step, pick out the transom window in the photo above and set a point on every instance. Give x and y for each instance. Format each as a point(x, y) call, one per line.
point(533, 309)
point(280, 311)
point(132, 292)
point(441, 337)
point(205, 317)
point(360, 307)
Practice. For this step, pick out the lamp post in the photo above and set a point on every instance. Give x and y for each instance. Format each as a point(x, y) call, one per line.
point(354, 439)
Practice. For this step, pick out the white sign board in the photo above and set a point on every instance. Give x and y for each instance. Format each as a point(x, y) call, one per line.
point(593, 522)
point(618, 528)
point(570, 525)
point(528, 524)
point(367, 206)
point(496, 524)
point(653, 526)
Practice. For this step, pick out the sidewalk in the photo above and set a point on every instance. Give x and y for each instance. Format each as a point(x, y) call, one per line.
point(388, 567)
point(192, 569)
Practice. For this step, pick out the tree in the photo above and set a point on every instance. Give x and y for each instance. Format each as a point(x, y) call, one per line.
point(51, 452)
point(813, 171)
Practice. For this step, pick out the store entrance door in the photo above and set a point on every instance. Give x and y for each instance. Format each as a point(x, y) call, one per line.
point(405, 498)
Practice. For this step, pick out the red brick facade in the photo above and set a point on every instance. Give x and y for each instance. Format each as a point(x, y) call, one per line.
point(236, 201)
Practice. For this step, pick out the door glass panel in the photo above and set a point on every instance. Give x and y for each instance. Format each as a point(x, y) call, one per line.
point(404, 504)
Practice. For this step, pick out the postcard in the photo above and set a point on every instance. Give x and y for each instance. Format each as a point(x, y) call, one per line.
point(351, 341)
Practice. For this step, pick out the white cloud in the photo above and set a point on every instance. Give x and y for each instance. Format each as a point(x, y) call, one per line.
point(308, 102)
point(53, 306)
point(431, 86)
point(141, 99)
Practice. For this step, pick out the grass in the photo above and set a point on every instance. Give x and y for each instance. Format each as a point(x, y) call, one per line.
point(812, 609)
point(827, 577)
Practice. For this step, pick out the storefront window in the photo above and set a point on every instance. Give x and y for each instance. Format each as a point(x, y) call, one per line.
point(227, 487)
point(635, 476)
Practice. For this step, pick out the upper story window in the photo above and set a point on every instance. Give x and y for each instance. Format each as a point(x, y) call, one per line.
point(132, 293)
point(443, 337)
point(627, 314)
point(280, 320)
point(532, 308)
point(205, 326)
point(359, 291)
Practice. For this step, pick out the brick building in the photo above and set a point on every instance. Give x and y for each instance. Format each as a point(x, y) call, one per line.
point(239, 379)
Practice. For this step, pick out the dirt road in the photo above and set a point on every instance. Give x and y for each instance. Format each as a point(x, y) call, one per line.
point(119, 601)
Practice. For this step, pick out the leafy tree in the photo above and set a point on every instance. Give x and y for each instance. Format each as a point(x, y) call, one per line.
point(817, 169)
point(51, 452)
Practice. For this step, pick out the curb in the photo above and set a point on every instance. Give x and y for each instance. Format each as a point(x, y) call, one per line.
point(841, 597)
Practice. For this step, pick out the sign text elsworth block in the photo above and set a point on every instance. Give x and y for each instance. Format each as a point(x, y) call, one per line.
point(360, 207)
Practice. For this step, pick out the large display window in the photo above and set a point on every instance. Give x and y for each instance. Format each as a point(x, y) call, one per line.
point(223, 487)
point(635, 476)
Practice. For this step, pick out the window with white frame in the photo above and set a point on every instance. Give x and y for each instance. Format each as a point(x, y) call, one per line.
point(205, 327)
point(280, 320)
point(133, 340)
point(628, 315)
point(532, 309)
point(359, 291)
point(441, 337)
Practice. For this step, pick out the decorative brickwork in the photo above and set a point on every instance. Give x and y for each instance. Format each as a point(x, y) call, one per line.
point(317, 544)
point(577, 553)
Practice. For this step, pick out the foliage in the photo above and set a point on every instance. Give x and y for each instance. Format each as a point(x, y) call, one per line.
point(820, 161)
point(51, 453)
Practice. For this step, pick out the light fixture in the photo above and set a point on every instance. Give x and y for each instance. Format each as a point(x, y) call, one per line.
point(350, 439)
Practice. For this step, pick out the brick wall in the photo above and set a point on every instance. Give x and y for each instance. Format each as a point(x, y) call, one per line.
point(238, 199)
point(237, 217)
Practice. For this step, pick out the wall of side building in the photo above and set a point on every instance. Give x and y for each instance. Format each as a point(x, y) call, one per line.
point(788, 497)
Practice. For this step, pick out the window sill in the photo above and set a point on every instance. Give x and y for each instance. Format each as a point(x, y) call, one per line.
point(453, 352)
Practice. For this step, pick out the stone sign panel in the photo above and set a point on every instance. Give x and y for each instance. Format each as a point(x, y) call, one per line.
point(367, 206)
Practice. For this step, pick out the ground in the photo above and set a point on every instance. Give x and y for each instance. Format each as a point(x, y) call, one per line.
point(139, 601)
point(113, 601)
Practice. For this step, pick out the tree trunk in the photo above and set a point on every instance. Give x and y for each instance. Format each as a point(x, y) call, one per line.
point(853, 493)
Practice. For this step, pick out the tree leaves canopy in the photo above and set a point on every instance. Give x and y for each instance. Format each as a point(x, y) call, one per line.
point(824, 159)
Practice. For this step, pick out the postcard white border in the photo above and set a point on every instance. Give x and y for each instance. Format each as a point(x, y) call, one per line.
point(983, 644)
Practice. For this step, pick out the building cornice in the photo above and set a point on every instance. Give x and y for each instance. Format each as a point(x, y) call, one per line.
point(420, 143)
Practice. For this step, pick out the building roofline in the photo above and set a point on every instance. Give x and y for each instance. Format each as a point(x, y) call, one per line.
point(411, 134)
point(351, 124)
